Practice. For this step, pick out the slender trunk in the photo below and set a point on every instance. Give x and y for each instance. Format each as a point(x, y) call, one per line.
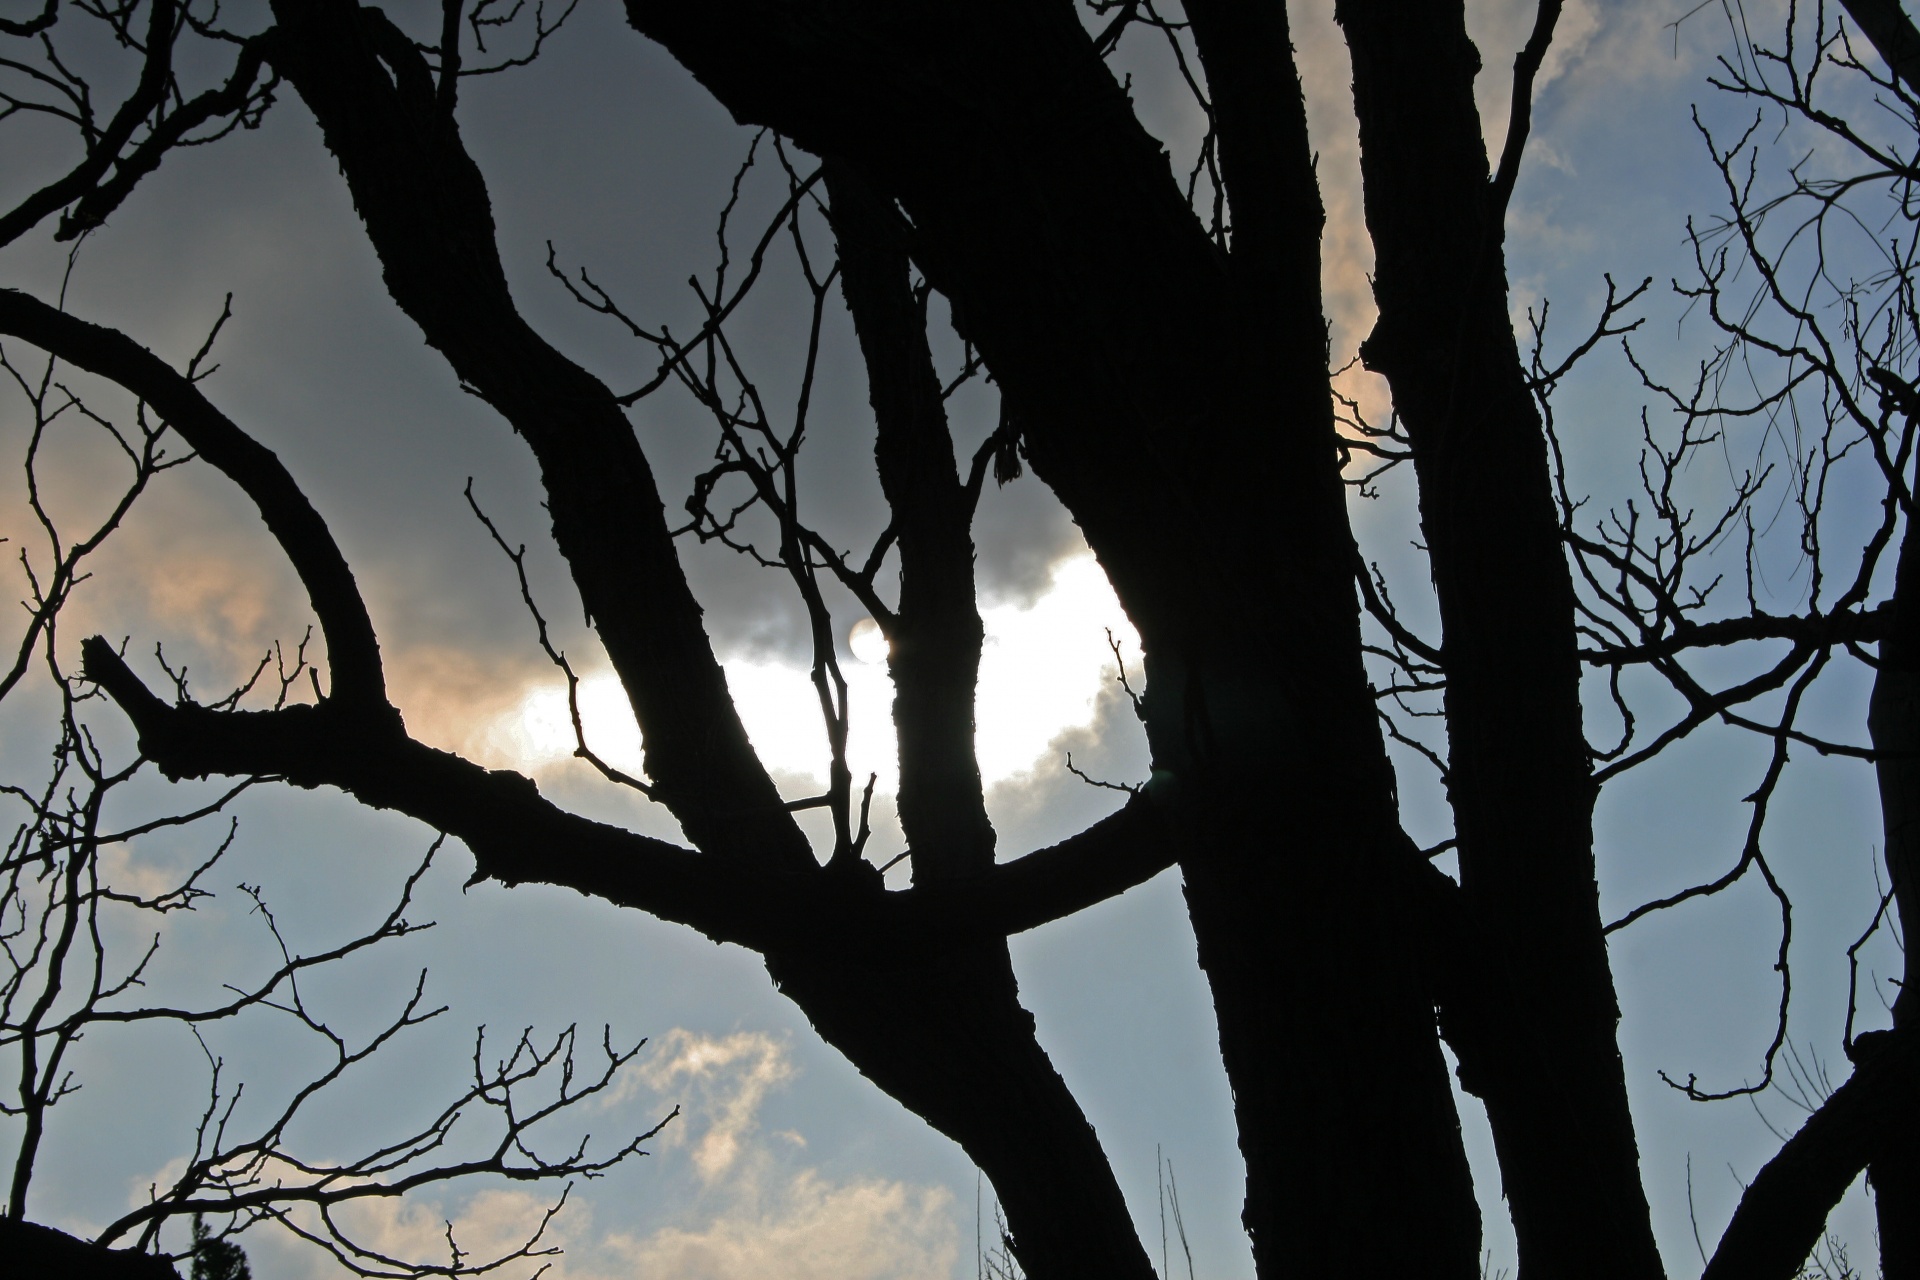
point(935, 634)
point(1536, 1035)
point(947, 1036)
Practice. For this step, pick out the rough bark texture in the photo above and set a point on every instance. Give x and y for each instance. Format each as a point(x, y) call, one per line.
point(1535, 1035)
point(1893, 718)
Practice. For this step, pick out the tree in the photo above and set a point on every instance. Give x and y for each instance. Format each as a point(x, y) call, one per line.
point(68, 972)
point(1164, 373)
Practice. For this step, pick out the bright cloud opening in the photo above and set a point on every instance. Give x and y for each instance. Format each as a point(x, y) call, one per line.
point(1041, 674)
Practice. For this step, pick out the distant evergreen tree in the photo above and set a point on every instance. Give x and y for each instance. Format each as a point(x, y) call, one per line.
point(215, 1258)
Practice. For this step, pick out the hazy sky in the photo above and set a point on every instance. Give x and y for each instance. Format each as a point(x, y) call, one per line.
point(785, 1162)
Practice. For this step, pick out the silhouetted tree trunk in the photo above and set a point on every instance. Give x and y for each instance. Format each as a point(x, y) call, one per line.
point(1168, 381)
point(1535, 1036)
point(1894, 719)
point(1118, 334)
point(28, 1249)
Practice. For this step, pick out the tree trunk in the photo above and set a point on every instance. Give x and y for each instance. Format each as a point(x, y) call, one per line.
point(1535, 1035)
point(1181, 414)
point(948, 1039)
point(1893, 719)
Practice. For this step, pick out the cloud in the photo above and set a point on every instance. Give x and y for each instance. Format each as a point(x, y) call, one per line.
point(490, 1223)
point(810, 1229)
point(1043, 671)
point(759, 1217)
point(802, 1227)
point(720, 1083)
point(124, 872)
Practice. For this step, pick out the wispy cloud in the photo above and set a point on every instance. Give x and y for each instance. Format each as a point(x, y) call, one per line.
point(809, 1228)
point(720, 1083)
point(759, 1214)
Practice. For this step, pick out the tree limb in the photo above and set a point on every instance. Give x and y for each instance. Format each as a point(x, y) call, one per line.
point(1781, 1214)
point(353, 651)
point(517, 836)
point(427, 212)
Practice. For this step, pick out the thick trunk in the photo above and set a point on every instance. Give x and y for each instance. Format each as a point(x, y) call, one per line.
point(1279, 958)
point(1354, 1164)
point(29, 1249)
point(1535, 1034)
point(949, 1040)
point(1893, 719)
point(1179, 409)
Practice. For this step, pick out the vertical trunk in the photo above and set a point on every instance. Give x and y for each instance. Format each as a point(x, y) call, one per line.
point(935, 635)
point(1893, 719)
point(1537, 1040)
point(947, 1036)
point(1298, 886)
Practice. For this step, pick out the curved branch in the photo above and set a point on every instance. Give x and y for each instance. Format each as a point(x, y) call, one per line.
point(353, 651)
point(428, 215)
point(1876, 1112)
point(517, 836)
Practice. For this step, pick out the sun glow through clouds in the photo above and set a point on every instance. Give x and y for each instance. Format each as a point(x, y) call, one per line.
point(1041, 674)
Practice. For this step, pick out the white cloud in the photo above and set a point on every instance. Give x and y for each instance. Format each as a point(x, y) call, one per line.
point(759, 1217)
point(1041, 675)
point(123, 872)
point(810, 1229)
point(719, 1083)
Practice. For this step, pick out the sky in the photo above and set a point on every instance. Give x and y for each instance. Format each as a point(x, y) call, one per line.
point(784, 1162)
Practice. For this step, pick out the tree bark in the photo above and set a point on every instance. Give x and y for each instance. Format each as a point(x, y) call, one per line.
point(1535, 1032)
point(1872, 1118)
point(1179, 409)
point(956, 1047)
point(1893, 720)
